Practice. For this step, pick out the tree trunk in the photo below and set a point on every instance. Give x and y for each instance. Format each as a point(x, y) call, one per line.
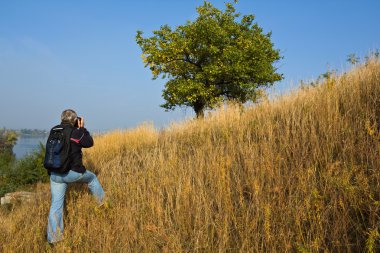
point(200, 114)
point(199, 109)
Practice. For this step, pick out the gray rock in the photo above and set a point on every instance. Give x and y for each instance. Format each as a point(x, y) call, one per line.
point(15, 197)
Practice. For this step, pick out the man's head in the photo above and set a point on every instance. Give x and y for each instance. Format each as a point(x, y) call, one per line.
point(69, 117)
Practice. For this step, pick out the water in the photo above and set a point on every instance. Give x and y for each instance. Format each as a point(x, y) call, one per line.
point(26, 145)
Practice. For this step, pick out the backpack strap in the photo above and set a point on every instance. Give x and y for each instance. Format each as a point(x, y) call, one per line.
point(67, 131)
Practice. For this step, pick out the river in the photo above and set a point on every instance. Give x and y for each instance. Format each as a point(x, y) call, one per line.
point(26, 145)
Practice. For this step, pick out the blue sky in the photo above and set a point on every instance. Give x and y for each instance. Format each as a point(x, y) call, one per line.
point(83, 55)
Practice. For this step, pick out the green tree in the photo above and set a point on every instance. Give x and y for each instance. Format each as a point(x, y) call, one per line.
point(219, 56)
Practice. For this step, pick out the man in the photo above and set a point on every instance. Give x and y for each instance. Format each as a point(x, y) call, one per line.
point(80, 138)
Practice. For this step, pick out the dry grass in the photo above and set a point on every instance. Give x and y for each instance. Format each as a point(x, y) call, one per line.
point(299, 174)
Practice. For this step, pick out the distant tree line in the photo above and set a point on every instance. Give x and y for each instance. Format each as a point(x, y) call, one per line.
point(32, 132)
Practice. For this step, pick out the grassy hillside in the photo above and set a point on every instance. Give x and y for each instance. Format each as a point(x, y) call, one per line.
point(300, 173)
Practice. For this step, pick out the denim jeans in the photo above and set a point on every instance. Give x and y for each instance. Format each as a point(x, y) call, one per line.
point(58, 186)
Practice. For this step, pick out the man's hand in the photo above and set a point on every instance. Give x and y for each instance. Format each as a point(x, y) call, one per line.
point(81, 123)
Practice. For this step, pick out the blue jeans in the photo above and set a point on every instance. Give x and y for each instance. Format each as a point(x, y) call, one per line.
point(58, 186)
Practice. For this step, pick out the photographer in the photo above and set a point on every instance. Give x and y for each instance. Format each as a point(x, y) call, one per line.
point(79, 138)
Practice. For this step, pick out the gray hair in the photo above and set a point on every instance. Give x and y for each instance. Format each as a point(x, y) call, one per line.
point(69, 116)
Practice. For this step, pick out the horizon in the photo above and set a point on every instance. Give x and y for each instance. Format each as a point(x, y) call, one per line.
point(86, 53)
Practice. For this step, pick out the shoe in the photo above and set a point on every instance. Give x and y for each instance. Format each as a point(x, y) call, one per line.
point(104, 205)
point(105, 202)
point(53, 243)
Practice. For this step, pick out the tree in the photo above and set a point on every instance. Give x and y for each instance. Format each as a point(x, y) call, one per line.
point(8, 139)
point(219, 56)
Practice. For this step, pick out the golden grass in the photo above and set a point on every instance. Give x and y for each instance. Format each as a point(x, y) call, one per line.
point(299, 174)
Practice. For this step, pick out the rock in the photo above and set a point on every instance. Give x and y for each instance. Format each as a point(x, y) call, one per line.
point(15, 197)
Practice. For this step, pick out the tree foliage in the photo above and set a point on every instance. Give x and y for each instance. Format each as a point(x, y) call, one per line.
point(219, 56)
point(8, 139)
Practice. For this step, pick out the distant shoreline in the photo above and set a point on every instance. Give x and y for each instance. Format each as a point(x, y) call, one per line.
point(32, 136)
point(31, 133)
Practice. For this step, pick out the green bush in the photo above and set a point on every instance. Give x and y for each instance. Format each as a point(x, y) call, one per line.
point(18, 173)
point(6, 161)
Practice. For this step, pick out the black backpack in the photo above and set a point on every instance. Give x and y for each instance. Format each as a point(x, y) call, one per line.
point(58, 149)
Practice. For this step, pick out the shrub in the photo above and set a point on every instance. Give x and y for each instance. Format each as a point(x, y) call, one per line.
point(28, 170)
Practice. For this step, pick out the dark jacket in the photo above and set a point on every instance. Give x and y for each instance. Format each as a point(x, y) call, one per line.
point(80, 138)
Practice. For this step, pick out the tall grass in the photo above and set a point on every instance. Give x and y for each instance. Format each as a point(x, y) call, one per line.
point(298, 174)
